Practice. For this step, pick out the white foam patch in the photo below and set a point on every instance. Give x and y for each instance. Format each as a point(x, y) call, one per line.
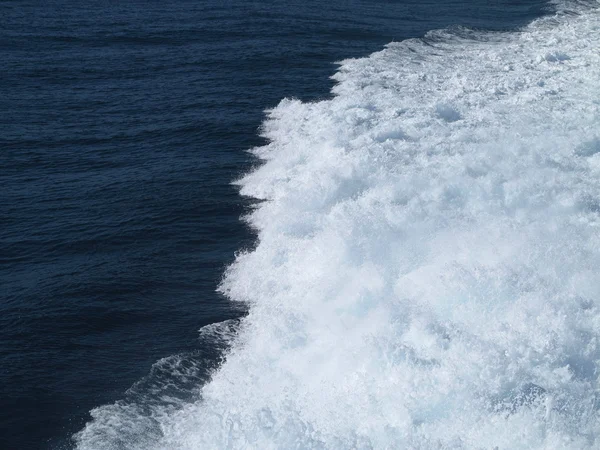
point(135, 422)
point(426, 275)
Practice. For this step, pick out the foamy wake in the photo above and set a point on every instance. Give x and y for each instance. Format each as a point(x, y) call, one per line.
point(427, 273)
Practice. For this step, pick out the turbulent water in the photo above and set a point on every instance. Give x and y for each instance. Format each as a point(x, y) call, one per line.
point(426, 271)
point(122, 125)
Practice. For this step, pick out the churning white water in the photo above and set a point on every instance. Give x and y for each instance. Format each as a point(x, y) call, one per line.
point(427, 273)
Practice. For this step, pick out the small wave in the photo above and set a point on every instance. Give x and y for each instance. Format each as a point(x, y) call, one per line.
point(136, 421)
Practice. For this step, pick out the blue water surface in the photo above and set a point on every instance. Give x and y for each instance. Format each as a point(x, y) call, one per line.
point(122, 125)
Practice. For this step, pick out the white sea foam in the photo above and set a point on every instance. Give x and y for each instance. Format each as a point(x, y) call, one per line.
point(426, 275)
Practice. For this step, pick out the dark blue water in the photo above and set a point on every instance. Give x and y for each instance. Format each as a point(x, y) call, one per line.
point(121, 126)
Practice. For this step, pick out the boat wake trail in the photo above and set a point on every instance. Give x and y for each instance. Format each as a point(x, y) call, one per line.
point(426, 272)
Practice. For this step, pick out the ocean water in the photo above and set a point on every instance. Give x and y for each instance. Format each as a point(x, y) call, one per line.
point(417, 263)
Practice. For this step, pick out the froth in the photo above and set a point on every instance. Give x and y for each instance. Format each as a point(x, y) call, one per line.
point(426, 274)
